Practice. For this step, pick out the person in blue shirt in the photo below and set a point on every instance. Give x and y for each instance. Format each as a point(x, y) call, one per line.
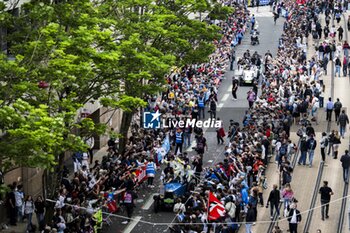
point(329, 109)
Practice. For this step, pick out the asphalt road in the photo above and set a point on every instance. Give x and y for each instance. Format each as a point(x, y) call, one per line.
point(229, 109)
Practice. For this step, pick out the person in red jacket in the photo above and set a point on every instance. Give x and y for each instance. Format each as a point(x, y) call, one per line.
point(220, 133)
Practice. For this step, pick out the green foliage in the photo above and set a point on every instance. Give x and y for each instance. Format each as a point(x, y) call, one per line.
point(117, 52)
point(30, 136)
point(220, 12)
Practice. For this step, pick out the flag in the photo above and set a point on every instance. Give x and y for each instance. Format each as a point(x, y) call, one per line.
point(166, 144)
point(164, 149)
point(215, 208)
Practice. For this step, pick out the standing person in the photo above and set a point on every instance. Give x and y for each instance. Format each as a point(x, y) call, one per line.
point(311, 143)
point(251, 98)
point(250, 218)
point(252, 21)
point(325, 61)
point(303, 151)
point(294, 217)
point(11, 205)
point(85, 160)
point(275, 17)
point(150, 173)
point(201, 145)
point(287, 195)
point(234, 88)
point(201, 106)
point(212, 107)
point(329, 109)
point(323, 145)
point(257, 5)
point(129, 197)
point(274, 200)
point(340, 33)
point(343, 120)
point(178, 140)
point(19, 195)
point(40, 212)
point(337, 67)
point(314, 110)
point(232, 59)
point(326, 193)
point(345, 66)
point(220, 133)
point(187, 136)
point(28, 211)
point(336, 143)
point(337, 108)
point(90, 141)
point(345, 163)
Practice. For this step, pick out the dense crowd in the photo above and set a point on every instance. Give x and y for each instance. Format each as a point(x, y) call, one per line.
point(115, 180)
point(291, 93)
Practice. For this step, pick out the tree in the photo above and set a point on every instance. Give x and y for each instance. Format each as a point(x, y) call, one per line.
point(69, 49)
point(68, 53)
point(30, 137)
point(154, 38)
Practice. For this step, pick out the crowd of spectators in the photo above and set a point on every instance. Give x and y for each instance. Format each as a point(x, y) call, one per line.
point(291, 93)
point(291, 90)
point(115, 180)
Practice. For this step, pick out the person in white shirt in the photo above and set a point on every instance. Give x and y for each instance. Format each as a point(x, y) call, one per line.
point(294, 217)
point(314, 110)
point(324, 143)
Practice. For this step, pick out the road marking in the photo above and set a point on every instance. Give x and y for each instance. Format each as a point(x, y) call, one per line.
point(132, 224)
point(210, 161)
point(193, 144)
point(229, 88)
point(220, 106)
point(225, 97)
point(149, 202)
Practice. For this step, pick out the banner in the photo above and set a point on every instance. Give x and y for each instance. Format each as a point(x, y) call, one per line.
point(215, 208)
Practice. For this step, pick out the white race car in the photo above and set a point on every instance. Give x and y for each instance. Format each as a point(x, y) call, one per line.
point(246, 75)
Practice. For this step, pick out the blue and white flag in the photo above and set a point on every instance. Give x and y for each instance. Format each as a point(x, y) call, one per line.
point(164, 149)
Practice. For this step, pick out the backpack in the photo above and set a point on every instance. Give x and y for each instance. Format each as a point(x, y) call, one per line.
point(317, 92)
point(283, 150)
point(287, 177)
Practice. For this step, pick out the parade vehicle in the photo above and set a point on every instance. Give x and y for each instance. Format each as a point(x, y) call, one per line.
point(170, 192)
point(254, 39)
point(246, 74)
